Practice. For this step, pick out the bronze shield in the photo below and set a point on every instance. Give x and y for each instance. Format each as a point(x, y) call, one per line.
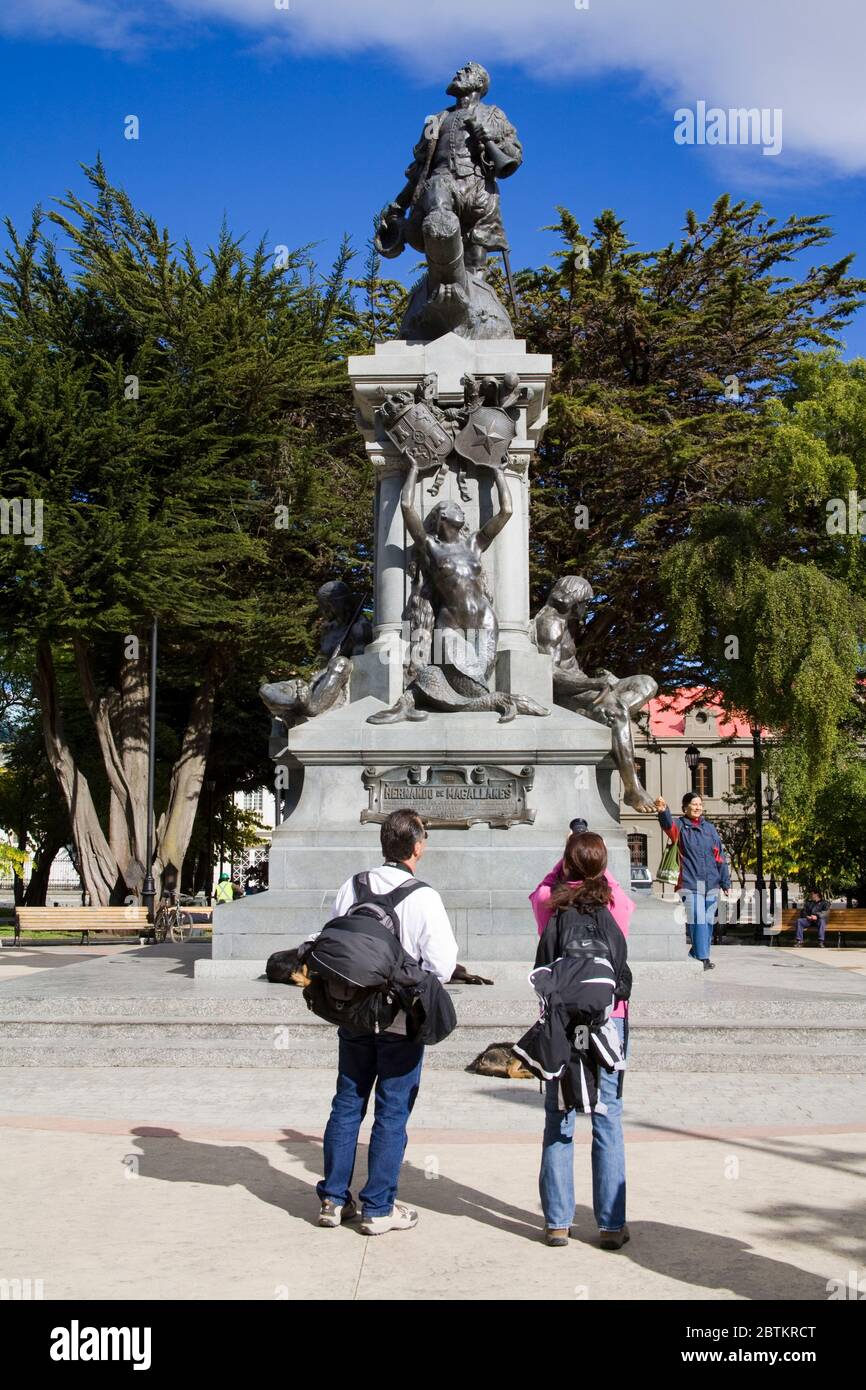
point(419, 435)
point(486, 436)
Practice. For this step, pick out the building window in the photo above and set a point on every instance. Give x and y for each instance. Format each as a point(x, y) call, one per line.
point(704, 778)
point(254, 801)
point(743, 777)
point(640, 764)
point(637, 848)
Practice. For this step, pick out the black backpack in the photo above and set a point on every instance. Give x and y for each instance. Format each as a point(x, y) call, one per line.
point(354, 959)
point(586, 935)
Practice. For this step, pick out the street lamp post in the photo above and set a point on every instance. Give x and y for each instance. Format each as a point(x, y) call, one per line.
point(771, 802)
point(693, 758)
point(779, 793)
point(211, 788)
point(759, 829)
point(148, 892)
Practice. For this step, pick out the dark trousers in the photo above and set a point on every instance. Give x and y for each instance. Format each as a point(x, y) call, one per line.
point(804, 922)
point(393, 1064)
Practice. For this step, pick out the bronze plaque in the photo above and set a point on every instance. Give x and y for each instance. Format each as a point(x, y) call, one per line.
point(455, 797)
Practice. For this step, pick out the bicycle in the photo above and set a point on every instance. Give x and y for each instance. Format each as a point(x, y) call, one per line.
point(171, 921)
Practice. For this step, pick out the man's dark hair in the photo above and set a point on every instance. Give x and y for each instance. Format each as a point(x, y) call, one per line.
point(399, 833)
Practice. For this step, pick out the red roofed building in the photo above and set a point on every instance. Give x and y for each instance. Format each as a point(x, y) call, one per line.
point(690, 715)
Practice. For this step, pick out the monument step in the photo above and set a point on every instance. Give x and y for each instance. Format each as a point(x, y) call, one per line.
point(707, 1048)
point(788, 1061)
point(278, 1004)
point(279, 1032)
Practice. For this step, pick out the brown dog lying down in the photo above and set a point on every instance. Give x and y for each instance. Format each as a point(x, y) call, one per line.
point(498, 1059)
point(282, 969)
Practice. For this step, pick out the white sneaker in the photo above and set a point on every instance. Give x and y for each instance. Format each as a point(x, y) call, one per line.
point(401, 1219)
point(332, 1215)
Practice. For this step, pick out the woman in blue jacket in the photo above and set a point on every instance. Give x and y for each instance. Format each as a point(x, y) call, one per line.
point(703, 870)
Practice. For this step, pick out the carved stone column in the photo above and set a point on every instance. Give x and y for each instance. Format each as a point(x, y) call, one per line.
point(400, 366)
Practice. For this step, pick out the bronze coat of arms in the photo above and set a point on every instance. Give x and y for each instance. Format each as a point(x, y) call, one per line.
point(419, 435)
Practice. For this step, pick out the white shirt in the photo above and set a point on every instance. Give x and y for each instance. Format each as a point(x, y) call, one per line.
point(425, 929)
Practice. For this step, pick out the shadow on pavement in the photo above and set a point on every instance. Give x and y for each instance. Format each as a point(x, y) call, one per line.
point(704, 1260)
point(694, 1257)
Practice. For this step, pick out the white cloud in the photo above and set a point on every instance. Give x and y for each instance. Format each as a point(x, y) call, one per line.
point(804, 57)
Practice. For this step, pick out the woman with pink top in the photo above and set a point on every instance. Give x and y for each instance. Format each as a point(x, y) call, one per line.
point(580, 880)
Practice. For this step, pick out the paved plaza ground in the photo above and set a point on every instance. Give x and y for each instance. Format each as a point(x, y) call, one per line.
point(198, 1182)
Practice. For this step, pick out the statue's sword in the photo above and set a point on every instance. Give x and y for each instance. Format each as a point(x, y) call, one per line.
point(352, 621)
point(507, 263)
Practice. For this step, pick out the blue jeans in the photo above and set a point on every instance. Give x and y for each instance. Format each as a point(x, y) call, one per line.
point(393, 1064)
point(803, 922)
point(556, 1179)
point(700, 918)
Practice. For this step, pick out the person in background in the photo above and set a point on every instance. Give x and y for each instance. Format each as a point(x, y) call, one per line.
point(223, 893)
point(703, 870)
point(581, 877)
point(813, 913)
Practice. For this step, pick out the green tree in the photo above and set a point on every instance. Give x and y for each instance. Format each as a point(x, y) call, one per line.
point(770, 595)
point(664, 362)
point(186, 425)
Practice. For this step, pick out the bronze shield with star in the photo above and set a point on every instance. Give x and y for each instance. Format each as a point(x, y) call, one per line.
point(486, 436)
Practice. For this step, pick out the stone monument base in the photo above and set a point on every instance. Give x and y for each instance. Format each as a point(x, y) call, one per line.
point(529, 777)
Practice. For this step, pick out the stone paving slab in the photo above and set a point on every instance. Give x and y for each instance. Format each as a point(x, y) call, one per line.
point(157, 1216)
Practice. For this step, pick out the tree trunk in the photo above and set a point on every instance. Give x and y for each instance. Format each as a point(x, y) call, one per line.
point(175, 825)
point(99, 869)
point(128, 715)
point(18, 883)
point(120, 721)
point(114, 867)
point(43, 859)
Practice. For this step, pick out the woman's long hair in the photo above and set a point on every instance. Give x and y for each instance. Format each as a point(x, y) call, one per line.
point(583, 883)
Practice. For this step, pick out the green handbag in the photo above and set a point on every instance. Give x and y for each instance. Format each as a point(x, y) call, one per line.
point(669, 868)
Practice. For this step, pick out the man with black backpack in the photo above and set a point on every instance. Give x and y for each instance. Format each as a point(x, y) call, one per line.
point(368, 907)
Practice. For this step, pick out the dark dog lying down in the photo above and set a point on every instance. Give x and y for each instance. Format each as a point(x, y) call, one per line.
point(282, 969)
point(498, 1059)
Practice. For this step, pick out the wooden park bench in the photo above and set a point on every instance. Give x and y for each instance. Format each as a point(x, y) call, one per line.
point(83, 919)
point(839, 920)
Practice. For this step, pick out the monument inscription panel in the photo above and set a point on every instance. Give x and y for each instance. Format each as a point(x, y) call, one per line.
point(451, 796)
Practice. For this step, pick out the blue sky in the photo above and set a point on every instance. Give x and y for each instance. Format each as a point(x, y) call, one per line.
point(300, 131)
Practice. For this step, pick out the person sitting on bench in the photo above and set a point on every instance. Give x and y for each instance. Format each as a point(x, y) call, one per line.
point(813, 913)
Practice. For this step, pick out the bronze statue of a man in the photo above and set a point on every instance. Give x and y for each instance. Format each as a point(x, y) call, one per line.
point(462, 151)
point(345, 632)
point(603, 696)
point(450, 210)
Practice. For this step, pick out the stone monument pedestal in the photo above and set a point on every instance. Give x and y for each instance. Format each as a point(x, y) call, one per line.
point(400, 366)
point(561, 768)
